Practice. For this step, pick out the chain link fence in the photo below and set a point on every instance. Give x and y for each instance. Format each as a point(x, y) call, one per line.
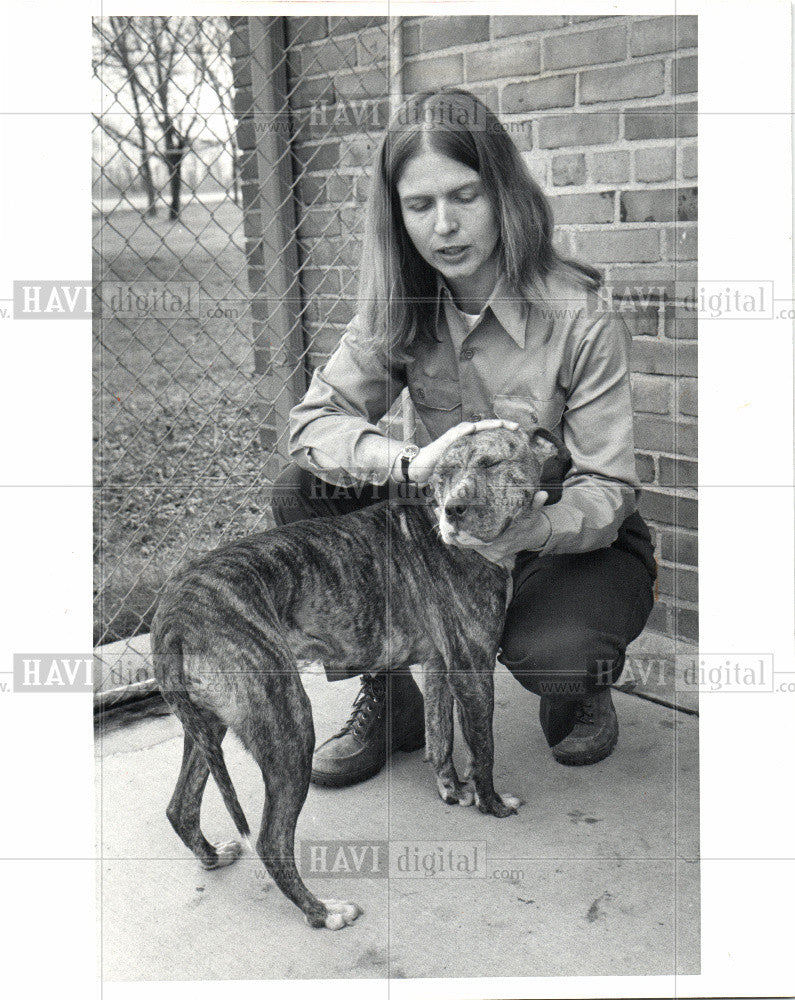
point(229, 171)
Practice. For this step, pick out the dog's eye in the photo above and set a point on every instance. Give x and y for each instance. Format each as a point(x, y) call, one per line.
point(487, 463)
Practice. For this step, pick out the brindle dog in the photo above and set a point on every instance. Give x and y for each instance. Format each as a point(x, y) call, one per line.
point(229, 628)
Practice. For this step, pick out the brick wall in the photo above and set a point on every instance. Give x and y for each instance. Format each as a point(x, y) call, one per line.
point(604, 110)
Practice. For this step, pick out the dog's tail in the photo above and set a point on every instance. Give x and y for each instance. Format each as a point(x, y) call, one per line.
point(170, 676)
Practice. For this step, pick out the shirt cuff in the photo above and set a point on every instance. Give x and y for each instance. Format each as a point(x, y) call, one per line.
point(375, 455)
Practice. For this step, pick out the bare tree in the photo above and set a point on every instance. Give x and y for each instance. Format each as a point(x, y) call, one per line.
point(164, 62)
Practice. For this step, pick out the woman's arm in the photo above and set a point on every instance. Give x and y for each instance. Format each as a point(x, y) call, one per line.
point(332, 429)
point(602, 488)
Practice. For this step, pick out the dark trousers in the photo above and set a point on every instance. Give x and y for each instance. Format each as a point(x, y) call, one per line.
point(571, 617)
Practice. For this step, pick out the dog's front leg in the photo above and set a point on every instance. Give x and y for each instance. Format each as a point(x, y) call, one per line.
point(474, 695)
point(439, 735)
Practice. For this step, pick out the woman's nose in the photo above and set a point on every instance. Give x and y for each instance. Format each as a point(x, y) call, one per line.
point(445, 221)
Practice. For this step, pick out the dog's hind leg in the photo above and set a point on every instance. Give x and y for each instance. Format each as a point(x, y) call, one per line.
point(283, 752)
point(184, 809)
point(439, 734)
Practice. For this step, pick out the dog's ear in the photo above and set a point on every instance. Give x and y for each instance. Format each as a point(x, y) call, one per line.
point(545, 445)
point(555, 460)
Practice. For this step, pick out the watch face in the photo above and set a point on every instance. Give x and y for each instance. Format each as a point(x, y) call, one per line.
point(411, 451)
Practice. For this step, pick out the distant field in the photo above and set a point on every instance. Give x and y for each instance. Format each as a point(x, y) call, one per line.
point(177, 457)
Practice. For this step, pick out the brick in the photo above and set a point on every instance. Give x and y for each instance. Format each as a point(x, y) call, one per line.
point(684, 623)
point(663, 34)
point(345, 25)
point(689, 157)
point(583, 208)
point(362, 84)
point(681, 242)
point(644, 466)
point(423, 74)
point(311, 91)
point(411, 37)
point(651, 393)
point(521, 132)
point(357, 151)
point(535, 95)
point(622, 83)
point(642, 320)
point(676, 472)
point(568, 169)
point(577, 129)
point(662, 122)
point(680, 324)
point(497, 62)
point(300, 30)
point(316, 59)
point(662, 357)
point(609, 168)
point(586, 48)
point(660, 433)
point(679, 547)
point(665, 508)
point(372, 46)
point(682, 584)
point(659, 205)
point(502, 25)
point(340, 188)
point(685, 75)
point(687, 396)
point(444, 32)
point(687, 204)
point(320, 281)
point(319, 222)
point(605, 246)
point(326, 156)
point(655, 164)
point(660, 618)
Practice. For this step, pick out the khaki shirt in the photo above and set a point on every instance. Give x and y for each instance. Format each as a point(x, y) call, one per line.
point(558, 362)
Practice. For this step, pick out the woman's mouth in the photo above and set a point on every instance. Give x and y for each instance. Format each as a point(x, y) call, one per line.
point(452, 254)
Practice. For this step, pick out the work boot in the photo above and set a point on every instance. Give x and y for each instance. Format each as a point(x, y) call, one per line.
point(360, 749)
point(583, 731)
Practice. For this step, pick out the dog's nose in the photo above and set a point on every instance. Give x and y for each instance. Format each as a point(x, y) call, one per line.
point(455, 510)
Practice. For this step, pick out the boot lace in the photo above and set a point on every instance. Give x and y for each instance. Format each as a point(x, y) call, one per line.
point(586, 712)
point(368, 703)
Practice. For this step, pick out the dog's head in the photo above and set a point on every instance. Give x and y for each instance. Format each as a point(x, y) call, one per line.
point(486, 480)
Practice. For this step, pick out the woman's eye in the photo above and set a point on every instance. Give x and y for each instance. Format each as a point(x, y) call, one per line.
point(418, 206)
point(466, 198)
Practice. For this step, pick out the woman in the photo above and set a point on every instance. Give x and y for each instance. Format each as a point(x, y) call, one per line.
point(464, 300)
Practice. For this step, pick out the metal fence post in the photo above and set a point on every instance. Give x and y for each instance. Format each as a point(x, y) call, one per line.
point(273, 257)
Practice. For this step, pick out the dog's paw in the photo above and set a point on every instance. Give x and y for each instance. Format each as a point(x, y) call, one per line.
point(454, 793)
point(499, 806)
point(225, 854)
point(340, 914)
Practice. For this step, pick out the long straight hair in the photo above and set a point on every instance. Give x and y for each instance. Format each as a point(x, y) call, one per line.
point(397, 288)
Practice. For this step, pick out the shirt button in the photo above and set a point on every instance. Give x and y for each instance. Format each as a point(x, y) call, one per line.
point(419, 392)
point(533, 418)
point(467, 354)
point(476, 416)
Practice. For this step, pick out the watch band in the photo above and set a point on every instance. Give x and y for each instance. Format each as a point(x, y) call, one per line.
point(409, 452)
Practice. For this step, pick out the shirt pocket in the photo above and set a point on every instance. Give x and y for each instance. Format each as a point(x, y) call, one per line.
point(530, 412)
point(437, 402)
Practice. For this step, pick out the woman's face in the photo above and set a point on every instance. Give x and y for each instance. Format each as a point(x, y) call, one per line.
point(451, 222)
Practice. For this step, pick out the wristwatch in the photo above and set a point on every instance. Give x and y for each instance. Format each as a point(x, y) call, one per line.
point(409, 452)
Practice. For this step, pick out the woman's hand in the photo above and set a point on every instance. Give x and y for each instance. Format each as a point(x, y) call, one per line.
point(422, 465)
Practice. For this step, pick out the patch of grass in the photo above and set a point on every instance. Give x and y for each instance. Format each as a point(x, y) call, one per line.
point(178, 463)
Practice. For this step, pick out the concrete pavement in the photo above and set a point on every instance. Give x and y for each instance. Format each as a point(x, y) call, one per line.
point(597, 875)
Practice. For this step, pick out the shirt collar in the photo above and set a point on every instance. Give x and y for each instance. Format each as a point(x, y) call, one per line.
point(509, 310)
